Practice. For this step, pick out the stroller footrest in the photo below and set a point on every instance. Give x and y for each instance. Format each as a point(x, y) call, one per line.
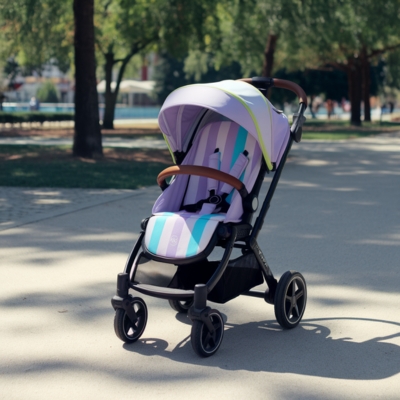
point(163, 292)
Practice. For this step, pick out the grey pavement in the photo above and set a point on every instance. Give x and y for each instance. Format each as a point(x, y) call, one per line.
point(335, 218)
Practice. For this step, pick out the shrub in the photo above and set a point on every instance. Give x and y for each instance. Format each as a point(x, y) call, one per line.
point(47, 93)
point(19, 117)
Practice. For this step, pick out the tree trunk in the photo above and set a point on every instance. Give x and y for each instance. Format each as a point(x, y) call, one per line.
point(269, 53)
point(366, 84)
point(109, 98)
point(87, 137)
point(354, 80)
point(109, 111)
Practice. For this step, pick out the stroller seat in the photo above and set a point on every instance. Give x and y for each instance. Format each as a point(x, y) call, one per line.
point(187, 229)
point(181, 234)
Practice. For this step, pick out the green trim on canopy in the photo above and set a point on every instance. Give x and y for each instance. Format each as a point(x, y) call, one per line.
point(260, 138)
point(169, 148)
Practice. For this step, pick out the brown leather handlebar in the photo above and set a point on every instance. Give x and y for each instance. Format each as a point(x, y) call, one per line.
point(284, 84)
point(201, 171)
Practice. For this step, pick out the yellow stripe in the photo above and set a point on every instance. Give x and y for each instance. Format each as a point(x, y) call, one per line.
point(270, 113)
point(169, 148)
point(260, 138)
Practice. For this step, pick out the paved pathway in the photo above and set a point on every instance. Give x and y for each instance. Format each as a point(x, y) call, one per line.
point(335, 217)
point(20, 206)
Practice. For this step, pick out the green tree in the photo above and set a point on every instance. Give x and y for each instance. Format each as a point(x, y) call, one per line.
point(170, 74)
point(127, 28)
point(40, 31)
point(348, 35)
point(393, 70)
point(47, 93)
point(36, 32)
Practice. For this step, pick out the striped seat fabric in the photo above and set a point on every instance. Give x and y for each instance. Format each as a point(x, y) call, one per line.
point(175, 233)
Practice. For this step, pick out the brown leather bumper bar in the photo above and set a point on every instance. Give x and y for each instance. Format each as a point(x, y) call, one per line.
point(201, 171)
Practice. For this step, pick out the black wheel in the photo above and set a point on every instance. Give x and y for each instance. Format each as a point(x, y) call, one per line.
point(125, 329)
point(205, 343)
point(290, 299)
point(181, 306)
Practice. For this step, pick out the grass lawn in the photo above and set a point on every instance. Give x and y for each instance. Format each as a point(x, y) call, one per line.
point(315, 129)
point(54, 166)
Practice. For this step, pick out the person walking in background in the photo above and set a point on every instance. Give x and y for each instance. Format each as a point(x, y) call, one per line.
point(330, 108)
point(34, 104)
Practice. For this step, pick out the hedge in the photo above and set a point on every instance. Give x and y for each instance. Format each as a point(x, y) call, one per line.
point(21, 117)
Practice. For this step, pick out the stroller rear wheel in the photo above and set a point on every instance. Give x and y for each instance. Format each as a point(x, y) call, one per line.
point(290, 299)
point(127, 330)
point(181, 306)
point(204, 342)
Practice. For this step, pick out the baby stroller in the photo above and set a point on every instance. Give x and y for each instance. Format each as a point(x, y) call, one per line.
point(223, 137)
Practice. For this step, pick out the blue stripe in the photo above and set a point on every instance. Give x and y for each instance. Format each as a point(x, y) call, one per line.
point(239, 145)
point(157, 231)
point(197, 233)
point(239, 148)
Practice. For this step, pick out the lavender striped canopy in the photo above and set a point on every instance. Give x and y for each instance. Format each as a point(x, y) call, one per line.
point(237, 101)
point(231, 140)
point(173, 233)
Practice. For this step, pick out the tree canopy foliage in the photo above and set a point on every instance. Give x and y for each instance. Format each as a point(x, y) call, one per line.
point(262, 36)
point(347, 35)
point(128, 28)
point(36, 32)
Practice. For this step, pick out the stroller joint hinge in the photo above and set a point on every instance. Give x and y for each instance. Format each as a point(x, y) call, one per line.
point(269, 295)
point(203, 316)
point(125, 304)
point(122, 284)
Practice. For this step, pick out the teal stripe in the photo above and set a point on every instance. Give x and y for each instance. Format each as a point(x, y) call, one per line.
point(239, 148)
point(157, 231)
point(197, 233)
point(239, 145)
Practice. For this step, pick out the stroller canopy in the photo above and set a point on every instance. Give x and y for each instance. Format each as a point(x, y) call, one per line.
point(237, 101)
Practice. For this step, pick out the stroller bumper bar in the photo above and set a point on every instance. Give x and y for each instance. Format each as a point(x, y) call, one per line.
point(201, 171)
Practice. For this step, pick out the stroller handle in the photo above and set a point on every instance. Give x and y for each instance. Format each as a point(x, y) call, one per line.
point(266, 83)
point(201, 171)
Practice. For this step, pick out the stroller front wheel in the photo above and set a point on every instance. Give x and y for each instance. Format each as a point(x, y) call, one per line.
point(204, 342)
point(290, 299)
point(127, 330)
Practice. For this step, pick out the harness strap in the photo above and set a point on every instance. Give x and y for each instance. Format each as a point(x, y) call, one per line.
point(236, 170)
point(213, 162)
point(217, 202)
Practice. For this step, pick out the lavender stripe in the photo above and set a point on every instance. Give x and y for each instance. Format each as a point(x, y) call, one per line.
point(175, 235)
point(211, 140)
point(255, 157)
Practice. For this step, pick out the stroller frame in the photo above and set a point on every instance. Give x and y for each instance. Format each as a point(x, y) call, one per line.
point(288, 296)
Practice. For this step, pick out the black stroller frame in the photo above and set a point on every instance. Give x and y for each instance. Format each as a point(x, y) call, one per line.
point(288, 296)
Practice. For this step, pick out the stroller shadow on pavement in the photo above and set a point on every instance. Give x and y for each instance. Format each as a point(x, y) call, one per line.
point(307, 350)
